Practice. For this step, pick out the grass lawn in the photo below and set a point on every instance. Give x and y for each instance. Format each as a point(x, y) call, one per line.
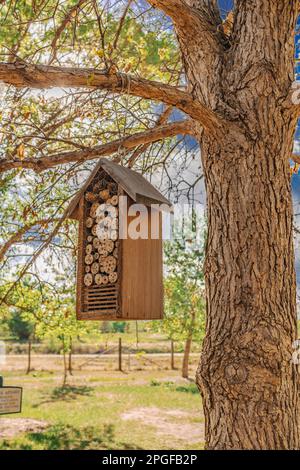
point(106, 410)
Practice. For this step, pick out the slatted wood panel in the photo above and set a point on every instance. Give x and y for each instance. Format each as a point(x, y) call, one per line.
point(101, 298)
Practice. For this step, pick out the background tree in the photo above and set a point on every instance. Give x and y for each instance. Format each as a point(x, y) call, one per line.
point(22, 329)
point(184, 295)
point(59, 322)
point(234, 85)
point(22, 313)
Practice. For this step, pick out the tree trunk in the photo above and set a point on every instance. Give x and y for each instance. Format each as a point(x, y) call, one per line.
point(65, 376)
point(70, 365)
point(29, 356)
point(172, 355)
point(186, 357)
point(239, 86)
point(247, 379)
point(246, 376)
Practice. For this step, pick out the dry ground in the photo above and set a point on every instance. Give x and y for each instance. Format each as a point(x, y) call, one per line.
point(148, 409)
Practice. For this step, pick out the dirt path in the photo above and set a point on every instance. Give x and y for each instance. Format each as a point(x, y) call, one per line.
point(11, 427)
point(174, 424)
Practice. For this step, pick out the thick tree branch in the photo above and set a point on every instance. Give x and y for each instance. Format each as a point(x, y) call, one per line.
point(189, 21)
point(202, 43)
point(178, 10)
point(42, 76)
point(120, 145)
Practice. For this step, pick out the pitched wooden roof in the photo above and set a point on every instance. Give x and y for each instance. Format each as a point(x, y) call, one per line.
point(133, 183)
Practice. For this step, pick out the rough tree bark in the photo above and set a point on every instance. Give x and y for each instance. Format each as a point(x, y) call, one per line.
point(246, 377)
point(239, 92)
point(248, 382)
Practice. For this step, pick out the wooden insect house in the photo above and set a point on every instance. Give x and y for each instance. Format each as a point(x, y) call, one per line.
point(118, 277)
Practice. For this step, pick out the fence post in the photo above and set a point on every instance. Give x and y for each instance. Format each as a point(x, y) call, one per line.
point(172, 355)
point(120, 354)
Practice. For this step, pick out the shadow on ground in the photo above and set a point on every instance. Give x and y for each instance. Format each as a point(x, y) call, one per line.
point(66, 437)
point(66, 393)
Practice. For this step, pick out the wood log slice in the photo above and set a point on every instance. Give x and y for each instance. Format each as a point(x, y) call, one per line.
point(96, 243)
point(93, 211)
point(104, 194)
point(101, 233)
point(94, 230)
point(109, 264)
point(109, 246)
point(89, 222)
point(89, 249)
point(114, 212)
point(99, 218)
point(113, 277)
point(114, 235)
point(88, 259)
point(88, 279)
point(101, 210)
point(91, 197)
point(102, 252)
point(95, 268)
point(114, 224)
point(114, 200)
point(107, 221)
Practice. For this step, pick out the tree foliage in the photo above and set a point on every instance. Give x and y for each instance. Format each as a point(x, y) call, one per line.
point(184, 290)
point(126, 37)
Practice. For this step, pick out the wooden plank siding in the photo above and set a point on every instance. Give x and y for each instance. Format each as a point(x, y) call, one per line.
point(142, 276)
